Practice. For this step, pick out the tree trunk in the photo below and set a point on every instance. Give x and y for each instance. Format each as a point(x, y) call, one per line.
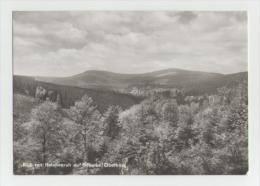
point(44, 153)
point(85, 144)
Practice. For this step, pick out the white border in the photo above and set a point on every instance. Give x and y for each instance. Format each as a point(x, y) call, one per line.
point(8, 179)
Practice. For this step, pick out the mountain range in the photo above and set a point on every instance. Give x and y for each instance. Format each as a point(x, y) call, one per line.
point(190, 81)
point(108, 88)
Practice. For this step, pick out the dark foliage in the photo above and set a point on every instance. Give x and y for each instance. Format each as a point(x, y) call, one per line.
point(68, 94)
point(165, 134)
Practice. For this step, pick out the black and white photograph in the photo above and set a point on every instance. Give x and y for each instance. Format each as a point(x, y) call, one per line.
point(130, 92)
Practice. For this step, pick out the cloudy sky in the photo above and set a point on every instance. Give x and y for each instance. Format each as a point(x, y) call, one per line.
point(67, 43)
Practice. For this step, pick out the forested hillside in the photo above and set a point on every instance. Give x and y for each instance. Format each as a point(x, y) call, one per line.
point(192, 82)
point(164, 134)
point(67, 95)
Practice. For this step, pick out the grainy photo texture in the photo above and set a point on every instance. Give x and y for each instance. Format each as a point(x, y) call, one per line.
point(130, 93)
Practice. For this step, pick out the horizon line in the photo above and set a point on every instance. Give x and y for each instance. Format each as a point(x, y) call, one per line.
point(182, 69)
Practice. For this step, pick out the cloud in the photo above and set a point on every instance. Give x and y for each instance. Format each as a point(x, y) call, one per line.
point(186, 17)
point(66, 43)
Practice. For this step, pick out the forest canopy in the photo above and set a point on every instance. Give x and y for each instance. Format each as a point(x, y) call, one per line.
point(164, 134)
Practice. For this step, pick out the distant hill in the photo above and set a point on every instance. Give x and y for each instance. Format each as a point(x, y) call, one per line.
point(103, 98)
point(211, 85)
point(103, 86)
point(190, 81)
